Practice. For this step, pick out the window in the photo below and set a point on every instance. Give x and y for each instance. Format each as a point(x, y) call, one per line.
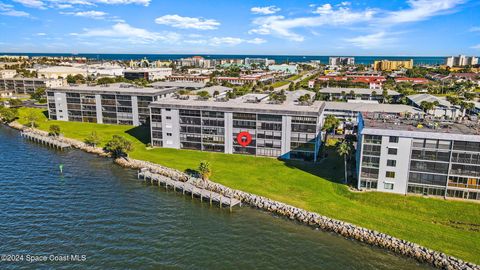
point(388, 186)
point(168, 110)
point(390, 174)
point(391, 163)
point(169, 118)
point(393, 139)
point(392, 151)
point(169, 134)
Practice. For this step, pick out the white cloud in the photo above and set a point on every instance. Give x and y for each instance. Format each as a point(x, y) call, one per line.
point(420, 10)
point(128, 33)
point(372, 41)
point(324, 9)
point(93, 14)
point(265, 10)
point(476, 47)
point(8, 10)
point(31, 3)
point(178, 21)
point(256, 41)
point(283, 27)
point(40, 34)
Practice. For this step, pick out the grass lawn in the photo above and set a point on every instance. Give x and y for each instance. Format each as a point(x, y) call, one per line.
point(279, 83)
point(452, 227)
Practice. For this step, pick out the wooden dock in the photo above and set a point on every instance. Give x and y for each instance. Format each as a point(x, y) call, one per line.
point(188, 188)
point(45, 140)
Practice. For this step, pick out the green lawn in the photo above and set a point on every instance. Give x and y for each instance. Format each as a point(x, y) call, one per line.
point(279, 83)
point(452, 227)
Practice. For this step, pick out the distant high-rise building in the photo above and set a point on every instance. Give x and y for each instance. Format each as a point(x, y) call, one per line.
point(388, 65)
point(341, 61)
point(461, 60)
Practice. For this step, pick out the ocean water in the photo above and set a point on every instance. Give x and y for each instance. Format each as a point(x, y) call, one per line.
point(417, 60)
point(111, 220)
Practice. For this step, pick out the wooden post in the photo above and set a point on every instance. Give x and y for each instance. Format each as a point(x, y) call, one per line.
point(210, 198)
point(230, 204)
point(193, 189)
point(221, 201)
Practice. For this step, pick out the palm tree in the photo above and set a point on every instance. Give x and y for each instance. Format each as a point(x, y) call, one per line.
point(204, 170)
point(344, 149)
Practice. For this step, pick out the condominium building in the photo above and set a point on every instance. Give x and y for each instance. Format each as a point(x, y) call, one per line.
point(28, 85)
point(123, 104)
point(419, 156)
point(461, 60)
point(341, 61)
point(252, 124)
point(389, 65)
point(149, 74)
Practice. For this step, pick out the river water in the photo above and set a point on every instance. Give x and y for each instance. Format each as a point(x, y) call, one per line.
point(101, 211)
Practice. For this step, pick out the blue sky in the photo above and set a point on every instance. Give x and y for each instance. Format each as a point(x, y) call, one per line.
point(393, 27)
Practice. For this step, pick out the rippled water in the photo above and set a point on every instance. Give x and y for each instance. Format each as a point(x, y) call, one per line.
point(102, 211)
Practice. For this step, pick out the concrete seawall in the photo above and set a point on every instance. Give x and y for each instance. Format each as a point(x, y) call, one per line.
point(374, 238)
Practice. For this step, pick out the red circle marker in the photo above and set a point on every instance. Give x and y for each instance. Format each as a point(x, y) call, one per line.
point(244, 138)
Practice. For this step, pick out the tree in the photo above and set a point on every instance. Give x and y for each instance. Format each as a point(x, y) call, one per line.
point(216, 93)
point(32, 118)
point(92, 139)
point(203, 94)
point(204, 170)
point(330, 123)
point(344, 149)
point(426, 106)
point(118, 146)
point(8, 114)
point(291, 87)
point(39, 94)
point(54, 130)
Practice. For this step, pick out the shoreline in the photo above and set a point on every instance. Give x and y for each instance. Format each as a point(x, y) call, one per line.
point(314, 220)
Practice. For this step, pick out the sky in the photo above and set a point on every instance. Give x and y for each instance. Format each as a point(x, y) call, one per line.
point(300, 27)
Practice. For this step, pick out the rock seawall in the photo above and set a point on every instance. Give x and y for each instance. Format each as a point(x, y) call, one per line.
point(374, 238)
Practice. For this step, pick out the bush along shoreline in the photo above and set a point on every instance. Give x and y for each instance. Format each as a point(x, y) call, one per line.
point(348, 230)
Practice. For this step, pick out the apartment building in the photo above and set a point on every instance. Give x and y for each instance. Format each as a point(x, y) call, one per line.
point(389, 65)
point(341, 61)
point(122, 104)
point(252, 125)
point(28, 85)
point(188, 78)
point(419, 156)
point(461, 61)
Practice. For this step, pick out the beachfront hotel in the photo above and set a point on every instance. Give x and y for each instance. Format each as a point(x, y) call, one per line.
point(122, 104)
point(419, 156)
point(253, 124)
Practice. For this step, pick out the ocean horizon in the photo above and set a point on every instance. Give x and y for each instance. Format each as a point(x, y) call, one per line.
point(366, 60)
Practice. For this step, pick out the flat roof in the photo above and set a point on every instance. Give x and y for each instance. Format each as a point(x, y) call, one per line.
point(419, 98)
point(212, 89)
point(360, 91)
point(421, 127)
point(370, 107)
point(30, 79)
point(179, 84)
point(242, 104)
point(120, 88)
